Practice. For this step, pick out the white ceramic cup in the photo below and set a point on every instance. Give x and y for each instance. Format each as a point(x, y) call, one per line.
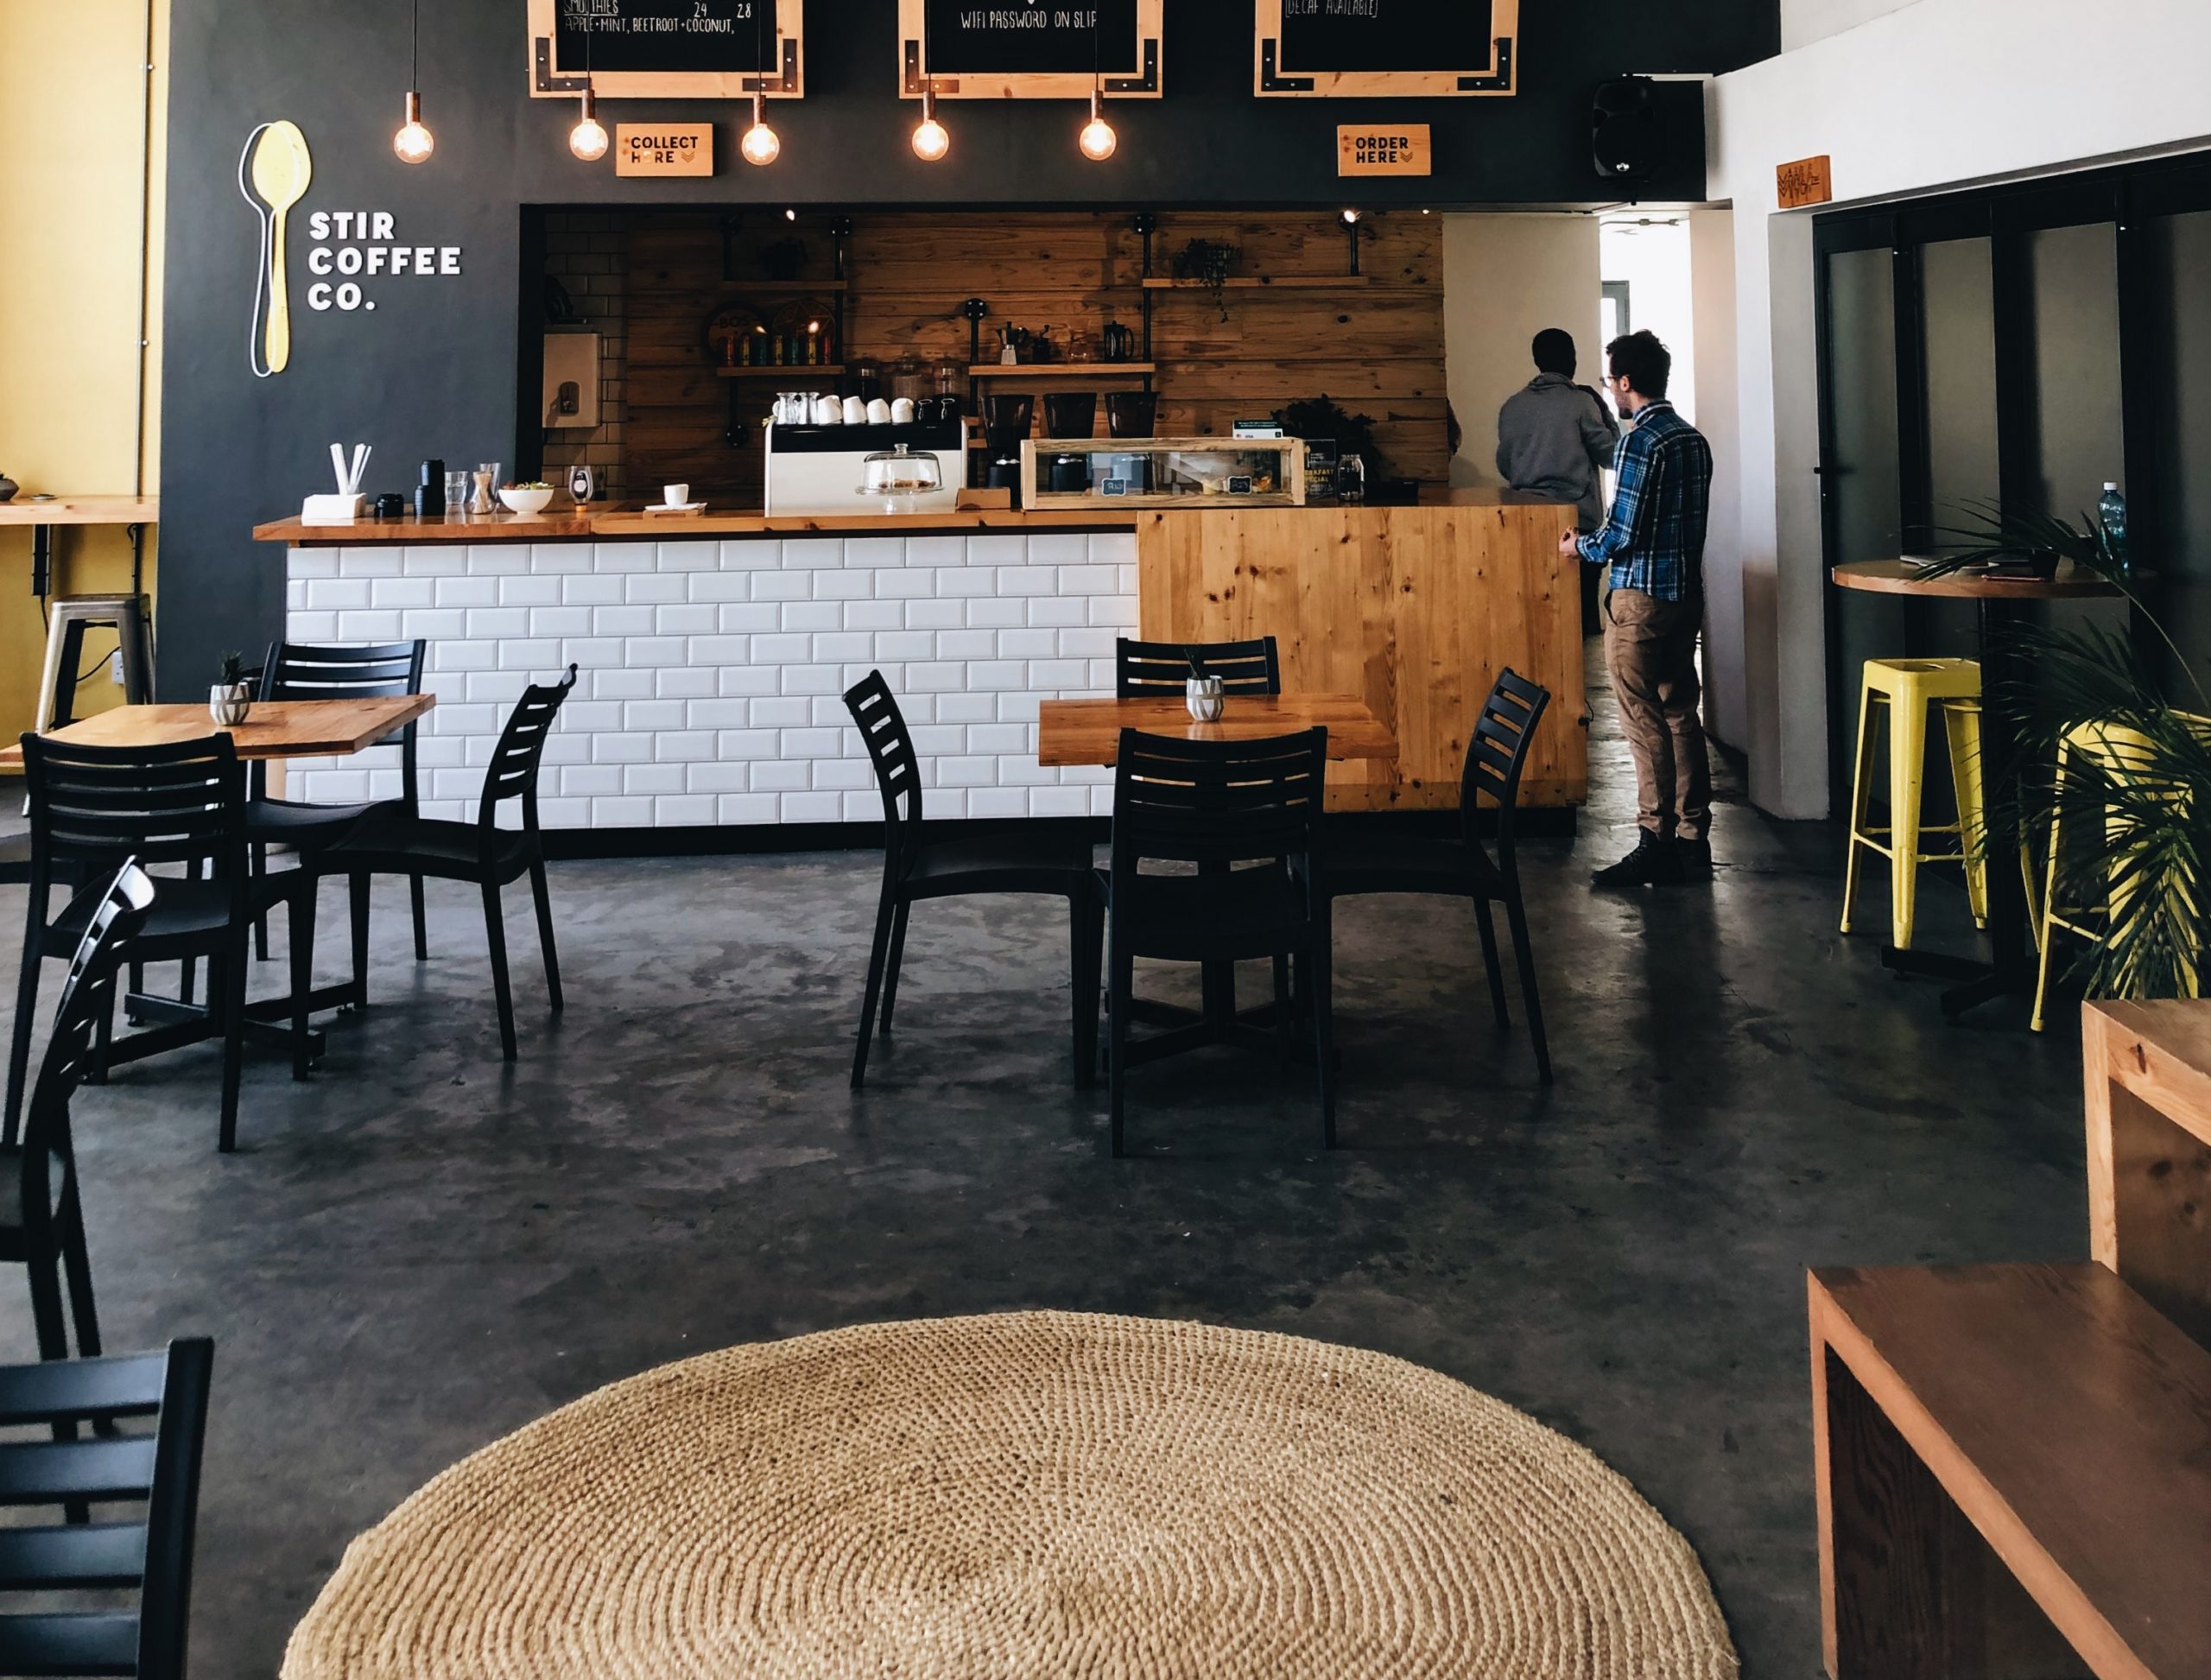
point(878, 411)
point(855, 411)
point(828, 411)
point(902, 410)
point(675, 496)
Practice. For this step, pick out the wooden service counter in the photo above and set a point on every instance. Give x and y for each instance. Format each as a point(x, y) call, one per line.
point(713, 650)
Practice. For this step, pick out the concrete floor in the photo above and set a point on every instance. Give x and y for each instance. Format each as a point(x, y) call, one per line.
point(423, 1249)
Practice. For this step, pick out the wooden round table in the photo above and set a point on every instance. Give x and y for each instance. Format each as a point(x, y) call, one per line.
point(2009, 971)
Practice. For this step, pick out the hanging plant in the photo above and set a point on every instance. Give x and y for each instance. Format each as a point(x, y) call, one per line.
point(1209, 261)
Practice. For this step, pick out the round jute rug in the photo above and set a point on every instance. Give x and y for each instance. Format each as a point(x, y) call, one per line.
point(1023, 1495)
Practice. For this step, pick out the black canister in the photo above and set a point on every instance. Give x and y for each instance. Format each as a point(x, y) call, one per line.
point(430, 492)
point(389, 505)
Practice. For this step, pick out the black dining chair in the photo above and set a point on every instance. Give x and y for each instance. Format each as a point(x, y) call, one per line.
point(1364, 862)
point(391, 841)
point(41, 1221)
point(307, 670)
point(916, 867)
point(182, 804)
point(1216, 805)
point(1143, 668)
point(76, 1568)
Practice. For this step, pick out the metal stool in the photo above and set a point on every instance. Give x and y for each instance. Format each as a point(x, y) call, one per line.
point(1910, 688)
point(69, 618)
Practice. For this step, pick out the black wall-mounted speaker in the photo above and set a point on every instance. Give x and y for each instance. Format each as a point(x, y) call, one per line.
point(1627, 143)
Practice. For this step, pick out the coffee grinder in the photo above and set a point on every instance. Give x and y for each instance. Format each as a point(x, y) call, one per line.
point(1006, 420)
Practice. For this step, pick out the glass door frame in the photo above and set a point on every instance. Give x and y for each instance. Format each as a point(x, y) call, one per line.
point(2126, 196)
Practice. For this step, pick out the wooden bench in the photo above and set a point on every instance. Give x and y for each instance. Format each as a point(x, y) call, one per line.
point(2014, 1461)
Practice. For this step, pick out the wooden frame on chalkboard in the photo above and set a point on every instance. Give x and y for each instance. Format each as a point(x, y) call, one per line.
point(551, 77)
point(1274, 77)
point(913, 70)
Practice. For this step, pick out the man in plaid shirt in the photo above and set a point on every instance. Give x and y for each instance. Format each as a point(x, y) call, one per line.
point(1652, 544)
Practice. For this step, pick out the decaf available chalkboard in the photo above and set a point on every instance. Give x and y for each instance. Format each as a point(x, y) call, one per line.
point(1407, 47)
point(1034, 49)
point(636, 49)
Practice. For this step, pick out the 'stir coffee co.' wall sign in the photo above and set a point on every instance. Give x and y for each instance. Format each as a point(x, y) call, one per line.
point(1029, 49)
point(672, 49)
point(1380, 49)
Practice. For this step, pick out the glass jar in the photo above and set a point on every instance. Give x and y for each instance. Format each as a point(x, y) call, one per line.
point(867, 379)
point(909, 378)
point(951, 377)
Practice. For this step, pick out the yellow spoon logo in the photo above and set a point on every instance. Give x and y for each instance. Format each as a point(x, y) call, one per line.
point(274, 171)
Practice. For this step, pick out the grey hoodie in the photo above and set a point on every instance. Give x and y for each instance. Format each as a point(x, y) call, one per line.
point(1553, 437)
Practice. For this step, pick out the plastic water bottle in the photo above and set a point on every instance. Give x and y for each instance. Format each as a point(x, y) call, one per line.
point(2111, 513)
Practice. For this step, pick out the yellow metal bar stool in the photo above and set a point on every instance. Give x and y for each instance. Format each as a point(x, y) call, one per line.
point(1909, 689)
point(2117, 751)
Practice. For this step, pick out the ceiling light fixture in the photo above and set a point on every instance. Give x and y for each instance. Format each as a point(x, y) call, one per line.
point(1096, 140)
point(760, 144)
point(587, 140)
point(931, 141)
point(414, 142)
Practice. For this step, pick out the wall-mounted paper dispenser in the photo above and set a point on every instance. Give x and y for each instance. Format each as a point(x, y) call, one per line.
point(571, 395)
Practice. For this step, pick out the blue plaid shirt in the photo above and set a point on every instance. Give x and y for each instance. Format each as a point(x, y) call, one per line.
point(1653, 539)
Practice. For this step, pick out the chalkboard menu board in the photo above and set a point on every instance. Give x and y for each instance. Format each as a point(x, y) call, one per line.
point(1409, 48)
point(1029, 49)
point(715, 49)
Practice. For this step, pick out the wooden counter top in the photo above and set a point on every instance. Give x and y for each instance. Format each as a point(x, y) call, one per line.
point(628, 520)
point(576, 524)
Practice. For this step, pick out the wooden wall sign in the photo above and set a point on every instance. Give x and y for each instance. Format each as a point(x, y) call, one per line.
point(1808, 181)
point(663, 148)
point(668, 49)
point(1029, 49)
point(1385, 149)
point(1384, 49)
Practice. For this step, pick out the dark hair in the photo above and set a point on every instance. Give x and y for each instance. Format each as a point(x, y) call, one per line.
point(1554, 351)
point(1644, 363)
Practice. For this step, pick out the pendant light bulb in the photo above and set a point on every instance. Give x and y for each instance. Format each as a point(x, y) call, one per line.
point(1097, 139)
point(414, 143)
point(760, 143)
point(587, 140)
point(931, 141)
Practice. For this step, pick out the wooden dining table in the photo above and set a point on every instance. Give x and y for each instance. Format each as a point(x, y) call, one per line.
point(1088, 731)
point(274, 730)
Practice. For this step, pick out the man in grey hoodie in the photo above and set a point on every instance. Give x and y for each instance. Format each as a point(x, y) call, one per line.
point(1554, 436)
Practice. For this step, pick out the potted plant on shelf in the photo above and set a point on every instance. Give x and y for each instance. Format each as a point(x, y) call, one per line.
point(1211, 262)
point(1321, 416)
point(230, 699)
point(2127, 714)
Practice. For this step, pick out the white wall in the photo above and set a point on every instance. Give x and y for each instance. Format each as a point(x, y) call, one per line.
point(1712, 288)
point(1506, 278)
point(1803, 21)
point(1938, 94)
point(1651, 254)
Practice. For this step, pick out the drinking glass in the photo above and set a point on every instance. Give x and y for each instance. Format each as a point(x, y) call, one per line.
point(456, 488)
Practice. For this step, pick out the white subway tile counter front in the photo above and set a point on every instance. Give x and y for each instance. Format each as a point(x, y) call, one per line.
point(711, 673)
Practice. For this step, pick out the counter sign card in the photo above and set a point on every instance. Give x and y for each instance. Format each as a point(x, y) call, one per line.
point(637, 49)
point(1029, 49)
point(663, 148)
point(1381, 48)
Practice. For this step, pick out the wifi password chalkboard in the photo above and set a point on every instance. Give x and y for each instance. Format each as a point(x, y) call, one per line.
point(1381, 48)
point(644, 49)
point(1029, 49)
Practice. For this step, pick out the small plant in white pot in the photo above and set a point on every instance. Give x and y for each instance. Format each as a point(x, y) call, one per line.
point(230, 699)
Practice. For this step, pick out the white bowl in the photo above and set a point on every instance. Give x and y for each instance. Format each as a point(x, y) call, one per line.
point(526, 501)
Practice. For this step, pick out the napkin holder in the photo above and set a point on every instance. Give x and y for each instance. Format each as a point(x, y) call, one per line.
point(347, 505)
point(333, 509)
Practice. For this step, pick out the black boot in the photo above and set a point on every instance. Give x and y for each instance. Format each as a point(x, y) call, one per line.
point(1696, 858)
point(1654, 862)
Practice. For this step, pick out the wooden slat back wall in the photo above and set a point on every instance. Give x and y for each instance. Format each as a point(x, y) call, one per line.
point(1377, 346)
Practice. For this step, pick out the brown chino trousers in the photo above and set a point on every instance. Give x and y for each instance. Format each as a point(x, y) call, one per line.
point(1650, 650)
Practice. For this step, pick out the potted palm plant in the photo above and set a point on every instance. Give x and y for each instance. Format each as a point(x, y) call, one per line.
point(2129, 715)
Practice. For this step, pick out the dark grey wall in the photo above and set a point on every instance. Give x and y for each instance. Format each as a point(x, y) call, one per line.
point(432, 368)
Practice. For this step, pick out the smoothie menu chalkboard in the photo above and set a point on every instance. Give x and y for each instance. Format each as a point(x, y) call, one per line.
point(1407, 47)
point(675, 48)
point(1037, 49)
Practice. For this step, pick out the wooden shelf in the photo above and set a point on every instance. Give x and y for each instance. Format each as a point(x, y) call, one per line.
point(1279, 282)
point(784, 371)
point(1064, 370)
point(796, 287)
